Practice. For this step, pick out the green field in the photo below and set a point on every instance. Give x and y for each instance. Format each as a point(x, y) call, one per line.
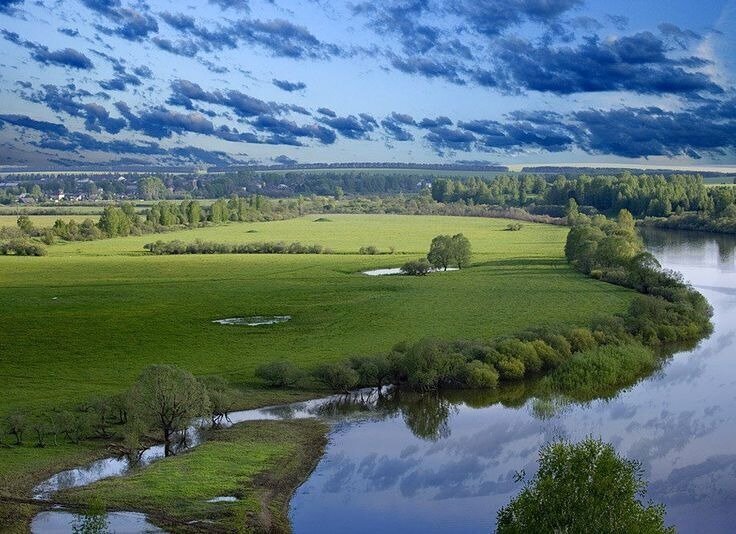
point(40, 221)
point(87, 318)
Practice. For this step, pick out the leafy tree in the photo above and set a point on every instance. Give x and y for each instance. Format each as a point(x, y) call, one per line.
point(584, 487)
point(441, 252)
point(416, 267)
point(461, 250)
point(16, 423)
point(338, 376)
point(25, 224)
point(279, 374)
point(114, 222)
point(151, 188)
point(168, 398)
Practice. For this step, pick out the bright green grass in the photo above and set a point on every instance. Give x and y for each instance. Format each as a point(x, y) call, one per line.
point(347, 233)
point(261, 463)
point(75, 325)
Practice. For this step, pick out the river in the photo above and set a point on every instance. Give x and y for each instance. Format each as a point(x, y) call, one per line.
point(446, 463)
point(381, 474)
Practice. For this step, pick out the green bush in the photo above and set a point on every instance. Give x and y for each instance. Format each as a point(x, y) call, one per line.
point(337, 376)
point(481, 375)
point(510, 368)
point(281, 373)
point(420, 267)
point(581, 339)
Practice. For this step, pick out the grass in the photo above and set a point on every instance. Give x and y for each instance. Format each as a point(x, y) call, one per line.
point(87, 318)
point(40, 221)
point(261, 463)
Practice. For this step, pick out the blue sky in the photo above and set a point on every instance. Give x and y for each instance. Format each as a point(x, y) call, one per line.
point(503, 81)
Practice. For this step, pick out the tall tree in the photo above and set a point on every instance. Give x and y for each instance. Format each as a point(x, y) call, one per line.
point(440, 252)
point(461, 250)
point(168, 398)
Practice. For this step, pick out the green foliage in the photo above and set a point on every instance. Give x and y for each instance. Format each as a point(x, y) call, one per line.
point(420, 267)
point(481, 375)
point(94, 518)
point(510, 368)
point(281, 373)
point(369, 250)
point(581, 339)
point(202, 247)
point(514, 227)
point(603, 369)
point(22, 247)
point(441, 252)
point(461, 250)
point(583, 487)
point(373, 371)
point(167, 398)
point(151, 188)
point(338, 377)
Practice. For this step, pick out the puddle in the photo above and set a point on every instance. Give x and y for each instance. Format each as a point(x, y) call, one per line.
point(397, 270)
point(256, 320)
point(58, 522)
point(224, 498)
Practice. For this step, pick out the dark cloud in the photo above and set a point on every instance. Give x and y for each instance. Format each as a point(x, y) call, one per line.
point(395, 131)
point(434, 123)
point(280, 37)
point(9, 6)
point(185, 92)
point(620, 22)
point(642, 132)
point(67, 57)
point(285, 132)
point(429, 68)
point(351, 126)
point(635, 63)
point(160, 122)
point(326, 112)
point(70, 32)
point(289, 86)
point(130, 24)
point(68, 100)
point(285, 160)
point(40, 126)
point(442, 138)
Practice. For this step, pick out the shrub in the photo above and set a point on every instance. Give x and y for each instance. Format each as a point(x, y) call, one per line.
point(481, 375)
point(521, 350)
point(373, 371)
point(419, 267)
point(22, 247)
point(581, 339)
point(370, 250)
point(514, 227)
point(510, 368)
point(549, 356)
point(337, 376)
point(279, 374)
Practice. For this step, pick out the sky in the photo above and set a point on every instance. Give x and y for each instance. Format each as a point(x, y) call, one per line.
point(225, 82)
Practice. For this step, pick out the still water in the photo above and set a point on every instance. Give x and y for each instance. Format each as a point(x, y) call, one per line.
point(448, 464)
point(400, 462)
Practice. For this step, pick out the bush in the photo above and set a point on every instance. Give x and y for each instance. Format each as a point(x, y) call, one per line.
point(481, 375)
point(373, 371)
point(370, 250)
point(521, 350)
point(22, 247)
point(514, 227)
point(337, 376)
point(419, 267)
point(511, 368)
point(581, 339)
point(279, 374)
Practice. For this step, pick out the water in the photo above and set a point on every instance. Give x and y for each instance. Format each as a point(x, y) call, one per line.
point(412, 463)
point(60, 522)
point(448, 464)
point(257, 320)
point(397, 270)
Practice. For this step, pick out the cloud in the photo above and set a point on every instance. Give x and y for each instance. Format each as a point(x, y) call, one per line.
point(634, 63)
point(285, 160)
point(9, 6)
point(351, 126)
point(678, 35)
point(289, 86)
point(67, 100)
point(326, 112)
point(160, 122)
point(242, 5)
point(130, 24)
point(67, 57)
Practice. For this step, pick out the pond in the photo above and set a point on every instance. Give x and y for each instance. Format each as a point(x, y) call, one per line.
point(405, 462)
point(397, 270)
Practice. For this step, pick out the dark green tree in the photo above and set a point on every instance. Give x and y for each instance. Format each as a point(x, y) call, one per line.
point(580, 488)
point(441, 252)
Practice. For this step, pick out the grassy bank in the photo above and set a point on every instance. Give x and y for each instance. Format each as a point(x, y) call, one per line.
point(260, 463)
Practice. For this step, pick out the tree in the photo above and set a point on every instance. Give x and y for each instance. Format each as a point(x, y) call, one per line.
point(440, 252)
point(571, 211)
point(151, 188)
point(584, 487)
point(168, 398)
point(114, 222)
point(461, 250)
point(25, 224)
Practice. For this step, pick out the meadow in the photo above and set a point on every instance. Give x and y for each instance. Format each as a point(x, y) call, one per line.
point(88, 317)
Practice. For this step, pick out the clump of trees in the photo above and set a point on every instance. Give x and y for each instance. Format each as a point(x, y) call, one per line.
point(163, 402)
point(583, 487)
point(22, 247)
point(420, 267)
point(204, 247)
point(446, 250)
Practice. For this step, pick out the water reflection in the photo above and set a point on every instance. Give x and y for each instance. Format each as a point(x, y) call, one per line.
point(447, 463)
